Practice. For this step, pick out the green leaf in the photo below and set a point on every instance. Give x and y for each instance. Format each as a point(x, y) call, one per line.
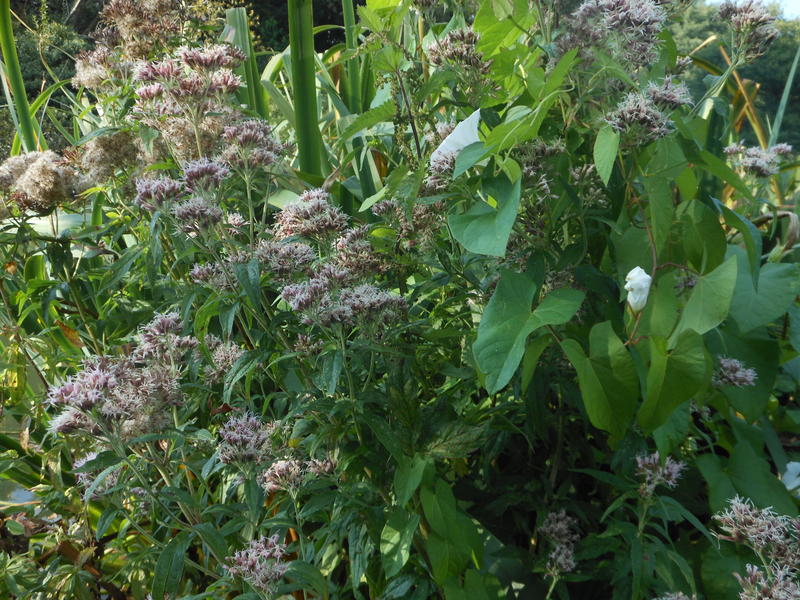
point(14, 527)
point(408, 477)
point(104, 521)
point(753, 478)
point(169, 567)
point(507, 321)
point(660, 210)
point(308, 576)
point(750, 234)
point(214, 539)
point(396, 538)
point(778, 285)
point(607, 379)
point(606, 146)
point(484, 229)
point(709, 302)
point(379, 114)
point(468, 157)
point(673, 376)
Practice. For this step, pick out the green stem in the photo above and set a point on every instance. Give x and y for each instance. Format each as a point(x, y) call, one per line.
point(27, 129)
point(301, 47)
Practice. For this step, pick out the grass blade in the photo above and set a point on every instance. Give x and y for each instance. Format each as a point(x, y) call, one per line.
point(20, 100)
point(776, 127)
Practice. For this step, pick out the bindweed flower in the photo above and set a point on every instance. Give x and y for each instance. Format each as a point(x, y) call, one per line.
point(652, 473)
point(791, 477)
point(637, 283)
point(733, 372)
point(463, 134)
point(261, 564)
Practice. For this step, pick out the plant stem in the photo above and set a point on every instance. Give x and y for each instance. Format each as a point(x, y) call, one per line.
point(301, 47)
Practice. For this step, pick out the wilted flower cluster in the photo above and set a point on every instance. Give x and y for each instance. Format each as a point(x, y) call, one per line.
point(261, 564)
point(459, 48)
point(415, 227)
point(245, 439)
point(733, 372)
point(129, 396)
point(652, 473)
point(560, 530)
point(626, 29)
point(638, 119)
point(140, 27)
point(761, 162)
point(38, 181)
point(753, 27)
point(103, 155)
point(101, 68)
point(669, 95)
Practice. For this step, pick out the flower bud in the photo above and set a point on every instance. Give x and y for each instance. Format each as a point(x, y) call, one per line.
point(637, 282)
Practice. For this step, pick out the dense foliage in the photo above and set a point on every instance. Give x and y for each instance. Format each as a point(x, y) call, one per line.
point(481, 303)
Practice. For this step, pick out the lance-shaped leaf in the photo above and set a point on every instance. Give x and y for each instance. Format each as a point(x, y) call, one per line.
point(508, 321)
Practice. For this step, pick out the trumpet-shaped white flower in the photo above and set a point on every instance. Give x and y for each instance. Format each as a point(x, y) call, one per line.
point(791, 478)
point(464, 134)
point(637, 282)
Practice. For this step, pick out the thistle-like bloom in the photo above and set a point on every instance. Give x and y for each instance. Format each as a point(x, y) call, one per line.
point(220, 56)
point(261, 564)
point(251, 144)
point(203, 175)
point(312, 216)
point(626, 29)
point(752, 25)
point(245, 439)
point(283, 475)
point(733, 372)
point(639, 119)
point(652, 473)
point(637, 283)
point(223, 358)
point(560, 530)
point(773, 583)
point(760, 162)
point(668, 94)
point(197, 214)
point(354, 253)
point(674, 596)
point(284, 259)
point(152, 194)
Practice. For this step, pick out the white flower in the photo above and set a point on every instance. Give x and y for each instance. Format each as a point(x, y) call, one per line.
point(464, 134)
point(637, 282)
point(791, 478)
